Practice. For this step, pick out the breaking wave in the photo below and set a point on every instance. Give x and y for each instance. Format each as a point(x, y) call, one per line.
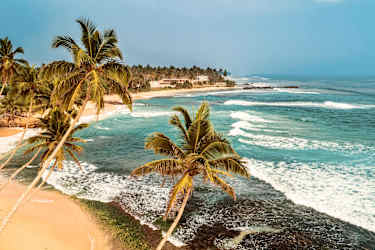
point(327, 104)
point(326, 188)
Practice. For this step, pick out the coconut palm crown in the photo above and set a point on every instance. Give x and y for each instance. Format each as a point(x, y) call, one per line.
point(201, 152)
point(96, 65)
point(9, 64)
point(54, 126)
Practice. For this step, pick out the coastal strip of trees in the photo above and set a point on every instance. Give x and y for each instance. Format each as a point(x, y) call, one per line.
point(142, 75)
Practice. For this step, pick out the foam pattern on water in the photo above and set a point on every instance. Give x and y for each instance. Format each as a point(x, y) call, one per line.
point(329, 189)
point(244, 128)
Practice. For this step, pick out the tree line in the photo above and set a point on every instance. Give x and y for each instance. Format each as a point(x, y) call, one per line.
point(142, 75)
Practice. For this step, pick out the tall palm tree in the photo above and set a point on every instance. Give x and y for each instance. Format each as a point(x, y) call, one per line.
point(9, 65)
point(54, 127)
point(203, 152)
point(95, 65)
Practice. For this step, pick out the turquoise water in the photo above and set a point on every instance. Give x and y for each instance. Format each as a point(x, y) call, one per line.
point(314, 145)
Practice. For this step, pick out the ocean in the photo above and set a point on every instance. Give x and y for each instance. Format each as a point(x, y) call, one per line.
point(310, 152)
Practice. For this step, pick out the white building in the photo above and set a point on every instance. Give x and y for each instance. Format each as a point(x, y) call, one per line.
point(155, 84)
point(202, 78)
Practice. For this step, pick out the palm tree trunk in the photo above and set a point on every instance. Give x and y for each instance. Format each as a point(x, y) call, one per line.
point(4, 84)
point(43, 182)
point(175, 222)
point(22, 137)
point(21, 198)
point(9, 152)
point(19, 170)
point(45, 163)
point(46, 179)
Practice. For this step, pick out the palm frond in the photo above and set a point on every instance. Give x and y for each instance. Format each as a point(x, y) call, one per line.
point(175, 121)
point(203, 112)
point(181, 187)
point(197, 130)
point(162, 145)
point(224, 186)
point(164, 167)
point(217, 148)
point(185, 114)
point(231, 164)
point(88, 29)
point(74, 157)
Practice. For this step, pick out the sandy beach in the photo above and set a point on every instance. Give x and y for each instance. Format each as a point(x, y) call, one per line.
point(49, 221)
point(5, 132)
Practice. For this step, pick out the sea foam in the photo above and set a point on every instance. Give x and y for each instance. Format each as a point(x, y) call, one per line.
point(326, 188)
point(327, 104)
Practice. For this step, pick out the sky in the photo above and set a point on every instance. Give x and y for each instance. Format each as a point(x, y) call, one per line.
point(289, 37)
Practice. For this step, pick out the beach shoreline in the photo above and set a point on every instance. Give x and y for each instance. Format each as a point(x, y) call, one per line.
point(114, 103)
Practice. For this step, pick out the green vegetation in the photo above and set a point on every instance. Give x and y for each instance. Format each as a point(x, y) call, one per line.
point(122, 227)
point(201, 152)
point(142, 75)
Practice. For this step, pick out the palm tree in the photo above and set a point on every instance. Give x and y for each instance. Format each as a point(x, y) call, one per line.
point(9, 65)
point(202, 152)
point(95, 65)
point(27, 85)
point(54, 127)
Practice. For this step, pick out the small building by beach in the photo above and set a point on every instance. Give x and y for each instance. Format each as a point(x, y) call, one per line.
point(155, 84)
point(202, 78)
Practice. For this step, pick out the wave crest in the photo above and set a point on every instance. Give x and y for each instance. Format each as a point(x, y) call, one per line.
point(327, 104)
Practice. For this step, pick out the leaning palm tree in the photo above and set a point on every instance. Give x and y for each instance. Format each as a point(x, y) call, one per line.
point(95, 65)
point(202, 152)
point(9, 65)
point(54, 127)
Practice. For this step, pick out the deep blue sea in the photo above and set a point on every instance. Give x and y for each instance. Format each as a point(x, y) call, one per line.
point(314, 145)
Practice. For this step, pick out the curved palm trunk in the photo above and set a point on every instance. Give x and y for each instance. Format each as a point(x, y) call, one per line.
point(22, 137)
point(2, 89)
point(4, 84)
point(22, 197)
point(45, 164)
point(175, 222)
point(47, 177)
point(19, 170)
point(9, 152)
point(43, 182)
